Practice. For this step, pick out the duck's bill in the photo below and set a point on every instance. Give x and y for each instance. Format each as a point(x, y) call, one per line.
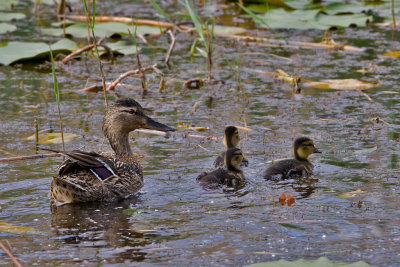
point(154, 125)
point(316, 150)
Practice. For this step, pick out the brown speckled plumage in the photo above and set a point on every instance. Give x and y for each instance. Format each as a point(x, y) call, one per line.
point(88, 176)
point(231, 140)
point(230, 176)
point(298, 167)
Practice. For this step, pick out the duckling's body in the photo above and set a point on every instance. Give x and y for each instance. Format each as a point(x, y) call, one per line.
point(298, 167)
point(230, 176)
point(231, 140)
point(89, 176)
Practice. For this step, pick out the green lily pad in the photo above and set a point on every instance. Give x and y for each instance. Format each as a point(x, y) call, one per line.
point(79, 30)
point(123, 47)
point(333, 15)
point(5, 4)
point(351, 194)
point(11, 16)
point(7, 27)
point(22, 51)
point(322, 261)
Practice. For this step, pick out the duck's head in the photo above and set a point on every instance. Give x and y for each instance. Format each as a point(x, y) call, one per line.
point(123, 116)
point(231, 137)
point(304, 147)
point(233, 158)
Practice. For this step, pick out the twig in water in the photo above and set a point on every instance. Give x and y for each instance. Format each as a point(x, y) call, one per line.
point(6, 250)
point(129, 73)
point(171, 48)
point(394, 22)
point(37, 156)
point(86, 48)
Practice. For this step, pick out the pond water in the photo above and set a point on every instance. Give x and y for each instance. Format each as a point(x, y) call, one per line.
point(173, 220)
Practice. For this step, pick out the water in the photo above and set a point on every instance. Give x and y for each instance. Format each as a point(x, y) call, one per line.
point(173, 220)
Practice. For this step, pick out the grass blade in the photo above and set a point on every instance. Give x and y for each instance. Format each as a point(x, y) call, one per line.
point(159, 9)
point(57, 93)
point(196, 22)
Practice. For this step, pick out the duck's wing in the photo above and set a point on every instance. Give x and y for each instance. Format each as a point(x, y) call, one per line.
point(77, 160)
point(220, 160)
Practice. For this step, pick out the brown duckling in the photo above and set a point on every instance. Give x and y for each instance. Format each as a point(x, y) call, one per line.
point(89, 176)
point(230, 176)
point(231, 140)
point(298, 167)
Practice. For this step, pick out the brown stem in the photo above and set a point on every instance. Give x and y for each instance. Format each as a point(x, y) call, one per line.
point(16, 262)
point(141, 72)
point(171, 48)
point(38, 156)
point(129, 73)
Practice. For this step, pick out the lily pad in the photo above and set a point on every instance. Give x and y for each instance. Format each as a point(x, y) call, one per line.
point(79, 30)
point(23, 51)
point(5, 4)
point(322, 261)
point(6, 27)
point(11, 16)
point(52, 138)
point(123, 47)
point(15, 229)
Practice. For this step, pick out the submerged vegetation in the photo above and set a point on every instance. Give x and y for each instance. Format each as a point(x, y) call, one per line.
point(275, 69)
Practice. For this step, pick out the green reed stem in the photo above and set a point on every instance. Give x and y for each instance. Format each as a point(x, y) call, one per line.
point(57, 93)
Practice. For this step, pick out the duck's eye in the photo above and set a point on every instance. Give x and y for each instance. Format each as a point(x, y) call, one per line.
point(131, 111)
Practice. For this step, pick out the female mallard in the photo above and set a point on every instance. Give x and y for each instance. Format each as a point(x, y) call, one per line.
point(298, 167)
point(230, 176)
point(231, 140)
point(89, 176)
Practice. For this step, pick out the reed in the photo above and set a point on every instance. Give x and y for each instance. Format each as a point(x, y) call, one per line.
point(91, 23)
point(57, 93)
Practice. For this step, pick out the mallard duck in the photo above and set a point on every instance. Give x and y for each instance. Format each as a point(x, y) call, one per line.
point(230, 176)
point(231, 140)
point(89, 176)
point(298, 167)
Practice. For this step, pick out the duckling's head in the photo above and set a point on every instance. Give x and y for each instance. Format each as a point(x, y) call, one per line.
point(123, 116)
point(231, 137)
point(233, 158)
point(304, 147)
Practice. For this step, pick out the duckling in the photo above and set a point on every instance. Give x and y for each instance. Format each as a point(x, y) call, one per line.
point(298, 167)
point(89, 176)
point(231, 140)
point(230, 176)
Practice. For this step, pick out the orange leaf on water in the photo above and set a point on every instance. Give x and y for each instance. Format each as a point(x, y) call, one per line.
point(290, 200)
point(282, 199)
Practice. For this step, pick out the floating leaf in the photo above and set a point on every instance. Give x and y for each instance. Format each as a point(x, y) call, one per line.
point(107, 29)
point(123, 47)
point(353, 193)
point(181, 125)
point(15, 229)
point(11, 16)
point(7, 27)
point(395, 54)
point(218, 29)
point(341, 84)
point(5, 4)
point(366, 150)
point(290, 200)
point(282, 199)
point(22, 51)
point(311, 19)
point(52, 138)
point(322, 261)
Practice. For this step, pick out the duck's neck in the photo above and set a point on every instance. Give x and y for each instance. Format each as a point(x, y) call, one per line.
point(299, 157)
point(119, 141)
